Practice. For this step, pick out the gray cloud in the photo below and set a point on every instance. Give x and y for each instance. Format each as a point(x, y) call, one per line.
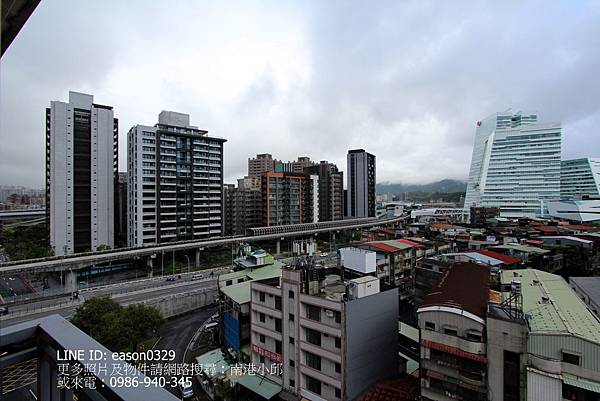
point(404, 80)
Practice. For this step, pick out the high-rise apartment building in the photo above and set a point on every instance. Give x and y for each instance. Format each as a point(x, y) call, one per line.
point(515, 165)
point(121, 212)
point(243, 210)
point(81, 174)
point(314, 322)
point(361, 184)
point(331, 190)
point(289, 198)
point(262, 163)
point(175, 182)
point(580, 177)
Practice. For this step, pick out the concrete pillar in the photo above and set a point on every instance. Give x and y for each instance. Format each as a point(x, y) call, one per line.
point(197, 257)
point(70, 281)
point(150, 266)
point(278, 248)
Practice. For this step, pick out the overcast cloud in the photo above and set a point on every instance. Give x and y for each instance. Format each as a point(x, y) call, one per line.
point(406, 80)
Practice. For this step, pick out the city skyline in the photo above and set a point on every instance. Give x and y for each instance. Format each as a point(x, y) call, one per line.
point(306, 79)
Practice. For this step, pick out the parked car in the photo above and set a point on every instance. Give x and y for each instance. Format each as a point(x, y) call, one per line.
point(197, 277)
point(170, 278)
point(3, 310)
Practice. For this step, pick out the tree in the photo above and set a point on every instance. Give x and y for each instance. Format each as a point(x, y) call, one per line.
point(114, 326)
point(93, 316)
point(140, 322)
point(26, 242)
point(103, 247)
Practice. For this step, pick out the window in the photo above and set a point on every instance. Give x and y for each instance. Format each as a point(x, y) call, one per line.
point(278, 347)
point(261, 317)
point(338, 317)
point(313, 312)
point(292, 382)
point(571, 358)
point(338, 368)
point(338, 393)
point(291, 294)
point(450, 332)
point(261, 296)
point(474, 336)
point(430, 325)
point(292, 341)
point(338, 342)
point(313, 385)
point(313, 337)
point(278, 303)
point(262, 338)
point(291, 317)
point(261, 359)
point(314, 361)
point(278, 325)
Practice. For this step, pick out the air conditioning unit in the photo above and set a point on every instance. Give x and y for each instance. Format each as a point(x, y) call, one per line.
point(329, 312)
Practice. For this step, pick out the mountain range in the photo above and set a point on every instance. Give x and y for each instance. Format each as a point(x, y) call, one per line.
point(446, 185)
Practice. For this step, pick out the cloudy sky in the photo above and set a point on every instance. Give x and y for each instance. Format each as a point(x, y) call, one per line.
point(406, 80)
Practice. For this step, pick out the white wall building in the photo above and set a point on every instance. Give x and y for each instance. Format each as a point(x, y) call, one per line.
point(515, 165)
point(81, 172)
point(175, 182)
point(579, 177)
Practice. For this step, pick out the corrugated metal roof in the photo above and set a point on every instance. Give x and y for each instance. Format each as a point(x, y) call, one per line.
point(260, 385)
point(507, 260)
point(522, 248)
point(552, 306)
point(585, 384)
point(239, 293)
point(411, 243)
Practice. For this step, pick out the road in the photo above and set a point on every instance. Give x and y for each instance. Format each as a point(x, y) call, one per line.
point(124, 294)
point(79, 261)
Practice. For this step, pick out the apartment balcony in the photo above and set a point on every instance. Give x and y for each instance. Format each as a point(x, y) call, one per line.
point(471, 347)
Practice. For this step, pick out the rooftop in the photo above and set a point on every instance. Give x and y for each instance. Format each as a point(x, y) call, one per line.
point(590, 285)
point(391, 245)
point(240, 292)
point(466, 286)
point(522, 248)
point(551, 306)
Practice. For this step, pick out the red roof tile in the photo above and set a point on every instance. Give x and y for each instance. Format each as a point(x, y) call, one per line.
point(465, 285)
point(383, 246)
point(406, 388)
point(545, 229)
point(507, 260)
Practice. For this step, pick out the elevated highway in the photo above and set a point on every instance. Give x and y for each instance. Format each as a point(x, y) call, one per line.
point(84, 260)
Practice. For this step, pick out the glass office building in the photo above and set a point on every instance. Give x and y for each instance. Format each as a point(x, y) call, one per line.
point(516, 165)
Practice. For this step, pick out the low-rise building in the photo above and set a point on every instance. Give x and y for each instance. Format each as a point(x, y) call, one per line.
point(234, 301)
point(452, 320)
point(588, 289)
point(543, 342)
point(313, 322)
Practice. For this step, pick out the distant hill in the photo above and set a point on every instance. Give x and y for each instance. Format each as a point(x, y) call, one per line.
point(439, 186)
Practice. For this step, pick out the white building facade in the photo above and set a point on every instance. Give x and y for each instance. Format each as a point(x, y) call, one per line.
point(81, 174)
point(580, 177)
point(175, 182)
point(516, 165)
